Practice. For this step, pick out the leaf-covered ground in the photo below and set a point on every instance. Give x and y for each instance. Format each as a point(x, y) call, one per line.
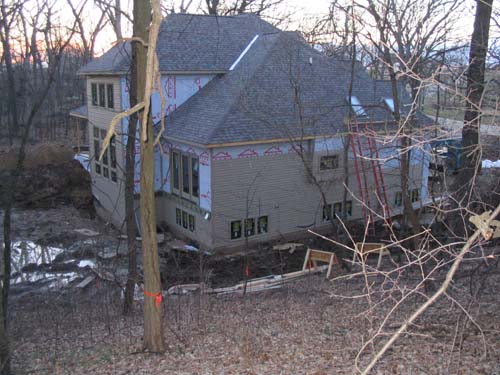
point(313, 326)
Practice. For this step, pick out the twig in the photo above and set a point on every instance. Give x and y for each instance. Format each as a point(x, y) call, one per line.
point(433, 298)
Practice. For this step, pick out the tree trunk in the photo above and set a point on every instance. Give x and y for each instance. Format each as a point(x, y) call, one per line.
point(153, 330)
point(475, 86)
point(129, 186)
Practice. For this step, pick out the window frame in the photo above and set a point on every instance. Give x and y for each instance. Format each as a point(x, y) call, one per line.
point(398, 199)
point(263, 228)
point(327, 213)
point(415, 195)
point(101, 95)
point(110, 97)
point(249, 225)
point(324, 162)
point(93, 93)
point(348, 208)
point(235, 233)
point(108, 166)
point(337, 210)
point(178, 161)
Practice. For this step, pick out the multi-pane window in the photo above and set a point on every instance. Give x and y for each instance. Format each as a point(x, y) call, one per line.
point(262, 225)
point(334, 210)
point(184, 219)
point(185, 175)
point(109, 92)
point(337, 209)
point(348, 208)
point(94, 94)
point(247, 226)
point(327, 212)
point(235, 229)
point(398, 199)
point(415, 195)
point(107, 165)
point(102, 95)
point(328, 162)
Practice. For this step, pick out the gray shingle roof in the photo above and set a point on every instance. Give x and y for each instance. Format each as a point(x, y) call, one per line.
point(189, 43)
point(281, 89)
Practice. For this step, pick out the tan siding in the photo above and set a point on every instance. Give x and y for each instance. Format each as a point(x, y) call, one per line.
point(166, 205)
point(277, 186)
point(109, 193)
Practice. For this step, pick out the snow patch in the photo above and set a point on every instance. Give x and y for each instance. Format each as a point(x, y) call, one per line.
point(490, 163)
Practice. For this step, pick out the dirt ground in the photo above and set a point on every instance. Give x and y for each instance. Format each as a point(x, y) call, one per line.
point(312, 326)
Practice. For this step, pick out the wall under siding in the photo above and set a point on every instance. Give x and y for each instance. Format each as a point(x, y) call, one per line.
point(109, 194)
point(270, 180)
point(176, 90)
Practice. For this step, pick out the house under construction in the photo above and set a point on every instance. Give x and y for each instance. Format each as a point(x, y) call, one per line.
point(256, 127)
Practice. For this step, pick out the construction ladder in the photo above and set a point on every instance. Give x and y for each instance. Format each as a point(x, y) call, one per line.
point(364, 149)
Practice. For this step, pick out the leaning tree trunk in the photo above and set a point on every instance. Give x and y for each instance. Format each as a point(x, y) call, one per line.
point(153, 330)
point(475, 87)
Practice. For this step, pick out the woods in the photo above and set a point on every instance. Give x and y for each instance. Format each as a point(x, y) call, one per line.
point(225, 141)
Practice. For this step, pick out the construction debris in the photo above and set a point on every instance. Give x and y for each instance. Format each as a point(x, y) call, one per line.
point(266, 282)
point(290, 247)
point(85, 282)
point(86, 232)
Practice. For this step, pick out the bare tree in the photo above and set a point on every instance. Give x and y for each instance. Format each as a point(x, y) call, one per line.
point(55, 45)
point(88, 38)
point(475, 90)
point(146, 61)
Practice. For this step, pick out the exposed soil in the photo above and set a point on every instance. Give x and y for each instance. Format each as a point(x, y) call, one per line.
point(309, 327)
point(50, 177)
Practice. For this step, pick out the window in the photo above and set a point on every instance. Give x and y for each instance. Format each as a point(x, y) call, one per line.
point(337, 210)
point(109, 90)
point(178, 216)
point(185, 219)
point(185, 175)
point(102, 95)
point(415, 195)
point(327, 212)
point(262, 225)
point(246, 227)
point(97, 152)
point(328, 162)
point(191, 223)
point(398, 199)
point(94, 93)
point(348, 208)
point(195, 180)
point(235, 229)
point(249, 227)
point(356, 106)
point(175, 170)
point(107, 165)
